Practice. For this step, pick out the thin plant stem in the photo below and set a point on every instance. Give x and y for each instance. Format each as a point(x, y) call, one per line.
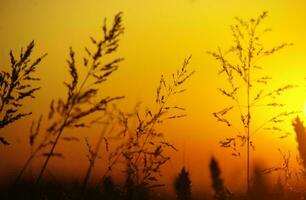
point(95, 155)
point(59, 133)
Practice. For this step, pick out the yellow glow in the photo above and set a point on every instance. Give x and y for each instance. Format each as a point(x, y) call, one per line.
point(159, 35)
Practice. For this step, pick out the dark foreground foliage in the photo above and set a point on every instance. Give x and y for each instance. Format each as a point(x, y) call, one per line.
point(182, 185)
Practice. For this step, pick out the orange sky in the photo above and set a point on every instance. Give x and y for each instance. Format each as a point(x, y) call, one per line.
point(159, 35)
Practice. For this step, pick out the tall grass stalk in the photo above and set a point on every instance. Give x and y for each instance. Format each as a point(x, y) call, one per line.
point(16, 86)
point(143, 147)
point(93, 154)
point(247, 90)
point(82, 98)
point(144, 150)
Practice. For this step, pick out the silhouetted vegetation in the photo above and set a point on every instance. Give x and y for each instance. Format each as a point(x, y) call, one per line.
point(16, 86)
point(221, 192)
point(81, 95)
point(301, 139)
point(144, 147)
point(182, 185)
point(133, 144)
point(82, 100)
point(239, 65)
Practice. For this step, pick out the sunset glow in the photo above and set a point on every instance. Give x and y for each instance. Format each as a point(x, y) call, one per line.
point(166, 71)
